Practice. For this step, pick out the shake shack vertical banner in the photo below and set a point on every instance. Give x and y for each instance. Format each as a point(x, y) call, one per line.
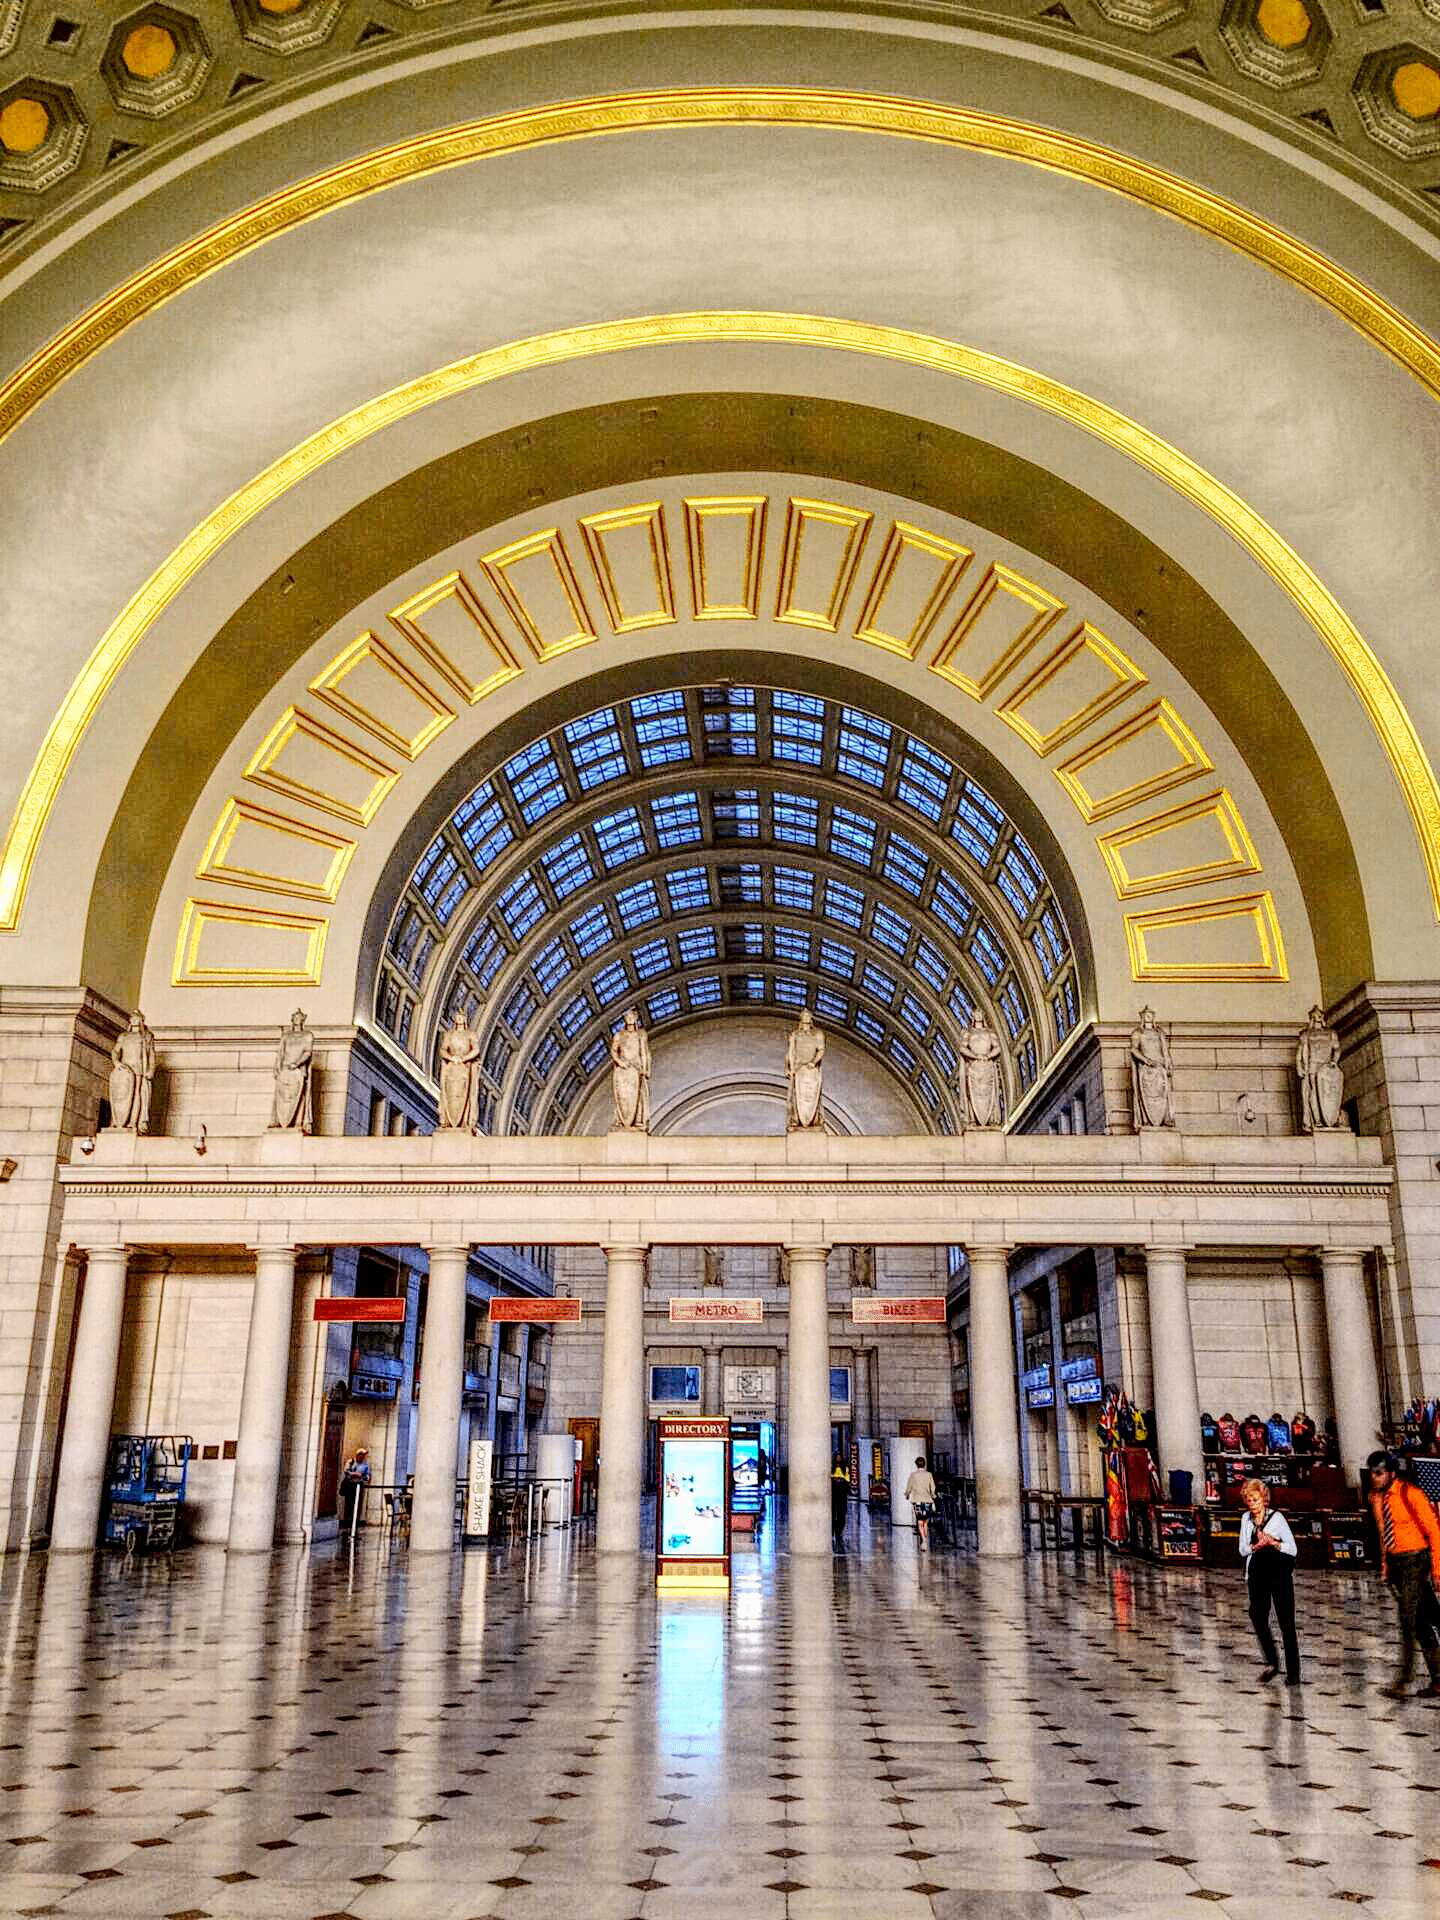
point(866, 1310)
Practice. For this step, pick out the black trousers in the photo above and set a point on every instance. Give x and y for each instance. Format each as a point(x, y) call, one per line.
point(1273, 1585)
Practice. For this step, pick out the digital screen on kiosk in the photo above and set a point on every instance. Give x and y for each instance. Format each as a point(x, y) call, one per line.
point(692, 1503)
point(745, 1456)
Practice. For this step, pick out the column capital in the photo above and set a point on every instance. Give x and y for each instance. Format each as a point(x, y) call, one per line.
point(1176, 1245)
point(448, 1247)
point(998, 1249)
point(284, 1244)
point(117, 1249)
point(626, 1246)
point(791, 1247)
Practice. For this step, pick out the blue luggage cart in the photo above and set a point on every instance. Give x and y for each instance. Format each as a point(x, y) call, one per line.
point(144, 1488)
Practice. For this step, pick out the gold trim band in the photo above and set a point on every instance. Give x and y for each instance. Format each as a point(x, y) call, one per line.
point(1387, 712)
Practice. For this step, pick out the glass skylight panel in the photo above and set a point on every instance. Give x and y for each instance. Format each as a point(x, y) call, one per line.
point(484, 952)
point(844, 904)
point(461, 998)
point(546, 1054)
point(960, 1003)
point(452, 896)
point(567, 1091)
point(924, 781)
point(951, 903)
point(610, 982)
point(977, 822)
point(797, 728)
point(928, 1090)
point(942, 1054)
point(688, 888)
point(830, 1006)
point(1012, 1007)
point(852, 836)
point(638, 904)
point(575, 1015)
point(404, 935)
point(792, 944)
point(620, 838)
point(869, 1026)
point(929, 963)
point(592, 1055)
point(525, 1098)
point(661, 728)
point(1018, 880)
point(436, 866)
point(863, 748)
point(793, 888)
point(663, 1005)
point(739, 886)
point(744, 940)
point(704, 990)
point(552, 964)
point(877, 981)
point(897, 1050)
point(727, 719)
point(591, 931)
point(421, 958)
point(795, 819)
point(567, 865)
point(521, 904)
point(596, 748)
point(891, 929)
point(497, 1055)
point(747, 986)
point(650, 959)
point(1044, 953)
point(481, 824)
point(696, 944)
point(837, 959)
point(914, 1015)
point(789, 991)
point(407, 1014)
point(1063, 1006)
point(519, 1009)
point(904, 864)
point(536, 782)
point(677, 819)
point(1026, 1064)
point(987, 953)
point(736, 816)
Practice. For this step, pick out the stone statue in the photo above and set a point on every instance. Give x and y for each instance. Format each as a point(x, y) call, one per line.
point(1152, 1078)
point(980, 1050)
point(132, 1076)
point(1322, 1084)
point(294, 1077)
point(630, 1076)
point(459, 1075)
point(804, 1055)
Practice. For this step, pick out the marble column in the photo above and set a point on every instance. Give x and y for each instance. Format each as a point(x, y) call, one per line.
point(262, 1402)
point(91, 1402)
point(442, 1383)
point(1354, 1378)
point(994, 1415)
point(808, 1447)
point(1172, 1366)
point(622, 1403)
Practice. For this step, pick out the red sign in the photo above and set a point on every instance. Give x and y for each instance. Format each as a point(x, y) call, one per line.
point(691, 1308)
point(693, 1426)
point(360, 1309)
point(868, 1310)
point(546, 1311)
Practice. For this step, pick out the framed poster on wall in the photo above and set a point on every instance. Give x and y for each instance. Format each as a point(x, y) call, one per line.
point(692, 1503)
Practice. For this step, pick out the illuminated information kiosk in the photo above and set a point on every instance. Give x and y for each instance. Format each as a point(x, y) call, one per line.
point(692, 1508)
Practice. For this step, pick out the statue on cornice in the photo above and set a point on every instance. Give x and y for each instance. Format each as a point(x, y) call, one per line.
point(132, 1076)
point(804, 1058)
point(459, 1075)
point(1152, 1077)
point(980, 1050)
point(292, 1107)
point(630, 1076)
point(1317, 1065)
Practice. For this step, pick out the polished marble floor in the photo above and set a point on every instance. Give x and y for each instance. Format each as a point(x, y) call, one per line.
point(527, 1735)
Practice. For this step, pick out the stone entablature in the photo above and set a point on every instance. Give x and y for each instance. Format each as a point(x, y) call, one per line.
point(809, 1190)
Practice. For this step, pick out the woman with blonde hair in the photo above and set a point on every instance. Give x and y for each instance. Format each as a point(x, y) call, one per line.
point(1267, 1546)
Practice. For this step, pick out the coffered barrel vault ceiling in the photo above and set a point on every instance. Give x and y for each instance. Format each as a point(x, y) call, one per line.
point(89, 97)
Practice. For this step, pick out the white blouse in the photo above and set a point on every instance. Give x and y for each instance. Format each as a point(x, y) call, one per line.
point(1278, 1528)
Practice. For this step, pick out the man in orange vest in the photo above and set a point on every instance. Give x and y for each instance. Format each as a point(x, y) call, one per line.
point(1410, 1563)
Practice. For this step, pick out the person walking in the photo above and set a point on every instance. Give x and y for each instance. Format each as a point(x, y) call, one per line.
point(839, 1502)
point(354, 1482)
point(920, 1492)
point(1409, 1565)
point(1267, 1546)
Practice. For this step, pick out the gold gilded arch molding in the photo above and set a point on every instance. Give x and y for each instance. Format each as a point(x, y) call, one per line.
point(1379, 698)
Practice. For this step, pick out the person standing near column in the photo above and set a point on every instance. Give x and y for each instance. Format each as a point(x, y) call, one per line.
point(920, 1492)
point(1409, 1565)
point(1267, 1546)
